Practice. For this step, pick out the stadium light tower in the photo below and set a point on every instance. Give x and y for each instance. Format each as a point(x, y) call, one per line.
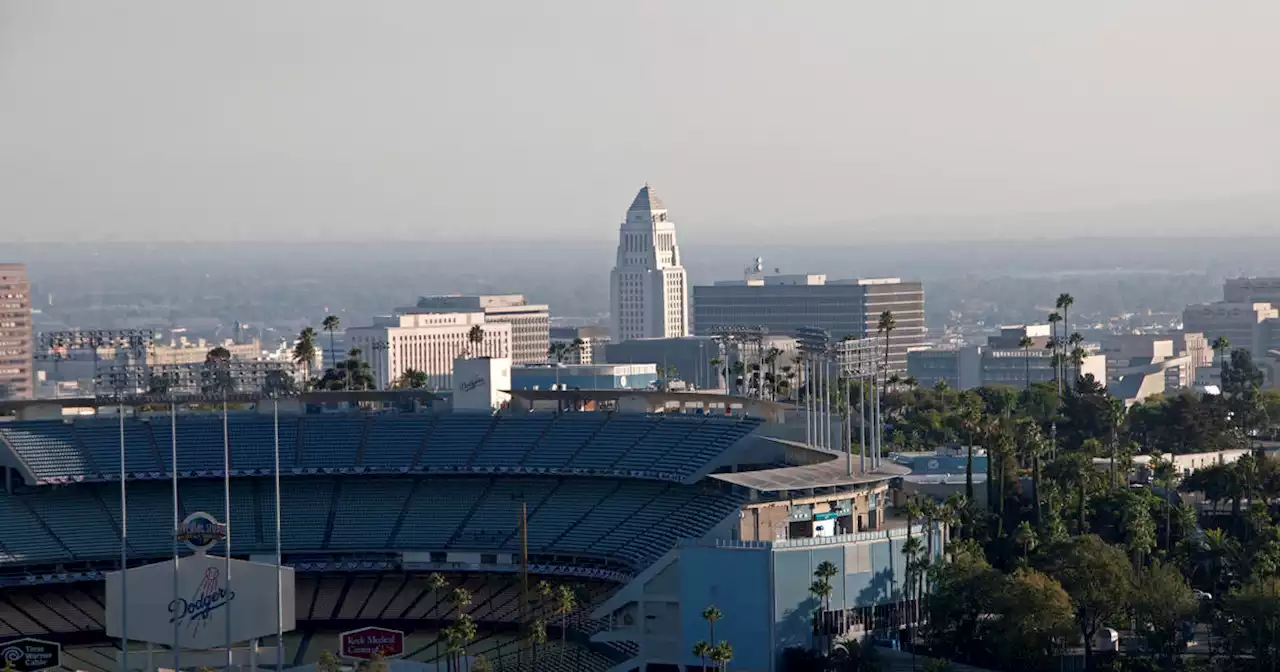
point(815, 344)
point(857, 359)
point(740, 335)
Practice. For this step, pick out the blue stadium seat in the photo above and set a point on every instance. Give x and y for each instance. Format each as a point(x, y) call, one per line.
point(512, 438)
point(436, 509)
point(367, 512)
point(393, 441)
point(25, 541)
point(453, 441)
point(568, 433)
point(330, 443)
point(101, 439)
point(48, 447)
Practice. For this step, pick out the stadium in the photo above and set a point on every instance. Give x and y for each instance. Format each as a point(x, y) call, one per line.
point(650, 506)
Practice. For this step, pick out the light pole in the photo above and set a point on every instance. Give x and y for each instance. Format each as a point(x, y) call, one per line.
point(378, 348)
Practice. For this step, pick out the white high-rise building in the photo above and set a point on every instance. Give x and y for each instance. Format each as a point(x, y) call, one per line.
point(649, 290)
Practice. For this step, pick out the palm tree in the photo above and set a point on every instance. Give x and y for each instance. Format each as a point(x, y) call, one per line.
point(1025, 537)
point(1220, 346)
point(566, 603)
point(886, 326)
point(475, 336)
point(436, 583)
point(739, 369)
point(304, 353)
point(821, 588)
point(703, 651)
point(538, 636)
point(716, 365)
point(711, 614)
point(1163, 473)
point(460, 598)
point(722, 654)
point(1063, 304)
point(218, 371)
point(413, 379)
point(331, 324)
point(1025, 343)
point(771, 361)
point(1054, 319)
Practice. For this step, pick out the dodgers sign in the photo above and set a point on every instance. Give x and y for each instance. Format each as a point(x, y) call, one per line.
point(196, 615)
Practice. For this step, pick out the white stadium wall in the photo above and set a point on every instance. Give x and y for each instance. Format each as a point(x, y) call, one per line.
point(204, 601)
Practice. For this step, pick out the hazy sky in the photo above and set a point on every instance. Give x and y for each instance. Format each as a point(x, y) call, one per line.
point(315, 119)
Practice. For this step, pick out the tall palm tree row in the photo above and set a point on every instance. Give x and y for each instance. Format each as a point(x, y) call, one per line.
point(331, 324)
point(1220, 347)
point(304, 353)
point(1025, 343)
point(1064, 303)
point(566, 603)
point(821, 588)
point(886, 325)
point(1053, 345)
point(475, 337)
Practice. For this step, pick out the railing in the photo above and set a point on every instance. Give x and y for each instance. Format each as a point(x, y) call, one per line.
point(874, 535)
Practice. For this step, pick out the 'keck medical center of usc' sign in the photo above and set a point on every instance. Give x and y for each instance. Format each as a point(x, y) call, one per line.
point(366, 642)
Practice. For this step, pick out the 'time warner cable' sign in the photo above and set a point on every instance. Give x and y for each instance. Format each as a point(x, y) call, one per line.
point(366, 642)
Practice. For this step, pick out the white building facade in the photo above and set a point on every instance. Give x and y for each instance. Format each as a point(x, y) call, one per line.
point(530, 323)
point(649, 289)
point(427, 342)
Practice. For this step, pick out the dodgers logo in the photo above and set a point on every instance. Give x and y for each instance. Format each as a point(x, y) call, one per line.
point(197, 611)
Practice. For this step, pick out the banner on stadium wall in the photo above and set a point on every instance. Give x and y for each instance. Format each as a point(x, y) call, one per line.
point(29, 655)
point(205, 600)
point(366, 642)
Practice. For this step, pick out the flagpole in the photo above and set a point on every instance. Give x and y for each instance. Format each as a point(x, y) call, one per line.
point(275, 404)
point(226, 500)
point(124, 542)
point(173, 467)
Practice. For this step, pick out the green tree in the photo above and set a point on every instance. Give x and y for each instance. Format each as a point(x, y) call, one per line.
point(1025, 537)
point(1164, 608)
point(964, 592)
point(1035, 618)
point(1164, 473)
point(1253, 623)
point(712, 614)
point(821, 589)
point(475, 337)
point(1139, 529)
point(722, 655)
point(1099, 580)
point(1025, 343)
point(328, 662)
point(538, 637)
point(436, 583)
point(1064, 303)
point(412, 379)
point(702, 650)
point(1054, 345)
point(217, 372)
point(566, 603)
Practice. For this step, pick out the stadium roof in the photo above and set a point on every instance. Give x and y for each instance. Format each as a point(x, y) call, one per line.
point(654, 396)
point(832, 473)
point(353, 396)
